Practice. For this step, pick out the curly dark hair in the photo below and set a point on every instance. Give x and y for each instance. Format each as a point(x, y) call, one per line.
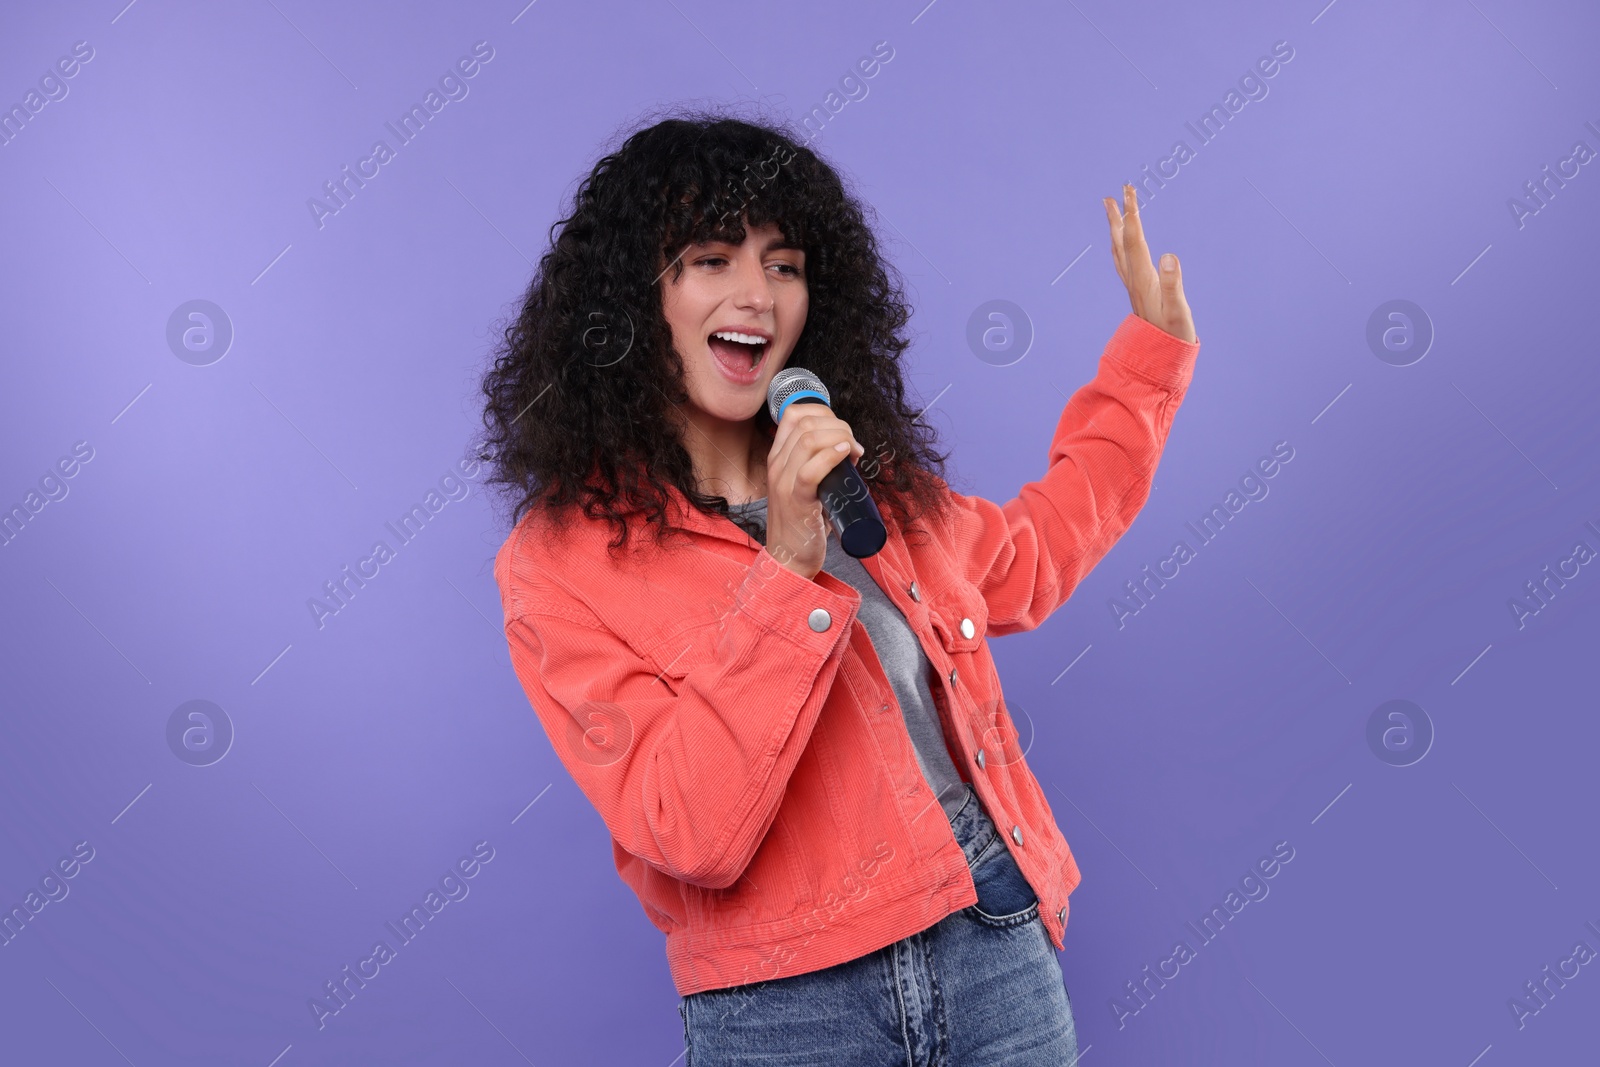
point(580, 394)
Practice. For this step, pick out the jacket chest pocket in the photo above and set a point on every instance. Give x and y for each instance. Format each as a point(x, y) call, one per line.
point(959, 616)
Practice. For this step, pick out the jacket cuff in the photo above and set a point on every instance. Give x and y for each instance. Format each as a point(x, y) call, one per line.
point(780, 601)
point(1151, 353)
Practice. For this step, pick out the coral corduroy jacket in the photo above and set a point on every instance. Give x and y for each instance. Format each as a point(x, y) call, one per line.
point(734, 729)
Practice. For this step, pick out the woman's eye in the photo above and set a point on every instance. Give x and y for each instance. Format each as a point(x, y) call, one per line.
point(788, 269)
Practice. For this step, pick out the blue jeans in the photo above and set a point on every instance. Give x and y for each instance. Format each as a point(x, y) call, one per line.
point(980, 987)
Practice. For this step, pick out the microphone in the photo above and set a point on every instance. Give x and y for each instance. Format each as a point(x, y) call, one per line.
point(843, 492)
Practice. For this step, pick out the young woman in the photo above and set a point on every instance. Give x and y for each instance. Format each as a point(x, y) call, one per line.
point(804, 759)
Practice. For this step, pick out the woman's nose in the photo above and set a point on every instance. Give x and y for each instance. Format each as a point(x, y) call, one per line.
point(754, 293)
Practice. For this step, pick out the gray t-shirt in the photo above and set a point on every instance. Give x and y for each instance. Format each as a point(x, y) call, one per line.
point(898, 650)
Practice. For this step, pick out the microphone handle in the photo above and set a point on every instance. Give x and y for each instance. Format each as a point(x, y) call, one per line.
point(849, 506)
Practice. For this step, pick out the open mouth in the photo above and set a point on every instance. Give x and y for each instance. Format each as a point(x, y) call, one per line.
point(738, 349)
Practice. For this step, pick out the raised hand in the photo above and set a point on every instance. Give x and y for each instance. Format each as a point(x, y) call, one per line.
point(1157, 296)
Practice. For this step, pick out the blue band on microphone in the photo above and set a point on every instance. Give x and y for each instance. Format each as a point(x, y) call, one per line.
point(799, 396)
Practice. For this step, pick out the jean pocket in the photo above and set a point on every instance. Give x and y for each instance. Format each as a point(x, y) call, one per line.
point(1004, 896)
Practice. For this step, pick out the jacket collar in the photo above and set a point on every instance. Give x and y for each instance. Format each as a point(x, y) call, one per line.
point(685, 516)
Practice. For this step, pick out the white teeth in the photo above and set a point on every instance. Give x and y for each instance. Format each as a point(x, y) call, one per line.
point(741, 338)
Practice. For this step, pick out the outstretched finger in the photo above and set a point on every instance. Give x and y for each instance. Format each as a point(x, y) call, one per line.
point(1136, 254)
point(1171, 276)
point(1175, 307)
point(1114, 217)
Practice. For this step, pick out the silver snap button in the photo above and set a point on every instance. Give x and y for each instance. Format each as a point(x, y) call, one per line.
point(967, 629)
point(914, 594)
point(952, 676)
point(1061, 916)
point(1016, 834)
point(819, 619)
point(980, 758)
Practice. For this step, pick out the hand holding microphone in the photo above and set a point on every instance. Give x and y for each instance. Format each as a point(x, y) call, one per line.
point(812, 479)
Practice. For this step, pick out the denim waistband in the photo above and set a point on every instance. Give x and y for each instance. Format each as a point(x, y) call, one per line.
point(972, 826)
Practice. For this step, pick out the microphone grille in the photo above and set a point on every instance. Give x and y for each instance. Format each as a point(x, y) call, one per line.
point(788, 382)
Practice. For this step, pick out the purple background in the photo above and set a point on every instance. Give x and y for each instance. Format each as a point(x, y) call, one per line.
point(1231, 713)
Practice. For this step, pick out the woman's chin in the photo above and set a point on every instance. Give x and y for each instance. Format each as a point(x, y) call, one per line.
point(730, 408)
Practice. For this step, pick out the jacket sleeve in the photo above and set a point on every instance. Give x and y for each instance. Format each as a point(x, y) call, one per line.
point(687, 772)
point(1029, 554)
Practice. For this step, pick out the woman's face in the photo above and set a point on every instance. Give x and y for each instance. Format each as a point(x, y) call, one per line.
point(755, 290)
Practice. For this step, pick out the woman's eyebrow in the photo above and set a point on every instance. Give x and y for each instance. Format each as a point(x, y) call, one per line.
point(774, 244)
